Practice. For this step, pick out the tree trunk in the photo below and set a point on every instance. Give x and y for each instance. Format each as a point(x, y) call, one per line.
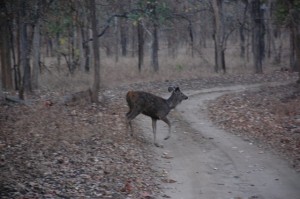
point(86, 47)
point(36, 55)
point(24, 53)
point(140, 32)
point(223, 61)
point(152, 7)
point(258, 45)
point(70, 57)
point(96, 84)
point(123, 37)
point(219, 36)
point(190, 29)
point(172, 43)
point(242, 41)
point(277, 58)
point(294, 18)
point(2, 97)
point(57, 50)
point(81, 48)
point(298, 55)
point(133, 40)
point(271, 45)
point(17, 67)
point(292, 48)
point(296, 31)
point(155, 64)
point(116, 31)
point(13, 44)
point(73, 46)
point(242, 32)
point(6, 70)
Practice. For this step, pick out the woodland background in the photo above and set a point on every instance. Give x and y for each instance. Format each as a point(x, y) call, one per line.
point(97, 43)
point(54, 52)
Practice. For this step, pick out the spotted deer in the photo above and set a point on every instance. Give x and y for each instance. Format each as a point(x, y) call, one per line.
point(153, 106)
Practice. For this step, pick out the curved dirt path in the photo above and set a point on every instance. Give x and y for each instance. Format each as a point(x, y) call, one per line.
point(202, 161)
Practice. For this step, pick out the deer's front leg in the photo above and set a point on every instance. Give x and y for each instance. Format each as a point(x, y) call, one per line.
point(154, 132)
point(169, 125)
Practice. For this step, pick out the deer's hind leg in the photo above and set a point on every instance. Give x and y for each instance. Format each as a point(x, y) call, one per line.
point(130, 116)
point(128, 123)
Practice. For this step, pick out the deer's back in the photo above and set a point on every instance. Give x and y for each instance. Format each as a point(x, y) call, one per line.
point(147, 103)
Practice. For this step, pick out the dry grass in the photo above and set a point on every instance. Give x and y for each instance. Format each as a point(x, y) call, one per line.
point(125, 70)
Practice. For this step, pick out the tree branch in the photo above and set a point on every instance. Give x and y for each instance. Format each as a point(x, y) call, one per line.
point(108, 22)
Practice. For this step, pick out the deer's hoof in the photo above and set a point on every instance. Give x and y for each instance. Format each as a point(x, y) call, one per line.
point(158, 145)
point(167, 137)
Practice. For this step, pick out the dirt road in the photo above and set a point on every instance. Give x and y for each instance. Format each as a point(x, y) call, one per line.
point(205, 162)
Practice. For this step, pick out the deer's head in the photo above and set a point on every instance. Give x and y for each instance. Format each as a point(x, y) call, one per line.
point(176, 97)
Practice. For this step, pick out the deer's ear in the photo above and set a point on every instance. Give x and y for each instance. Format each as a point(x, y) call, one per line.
point(177, 89)
point(171, 88)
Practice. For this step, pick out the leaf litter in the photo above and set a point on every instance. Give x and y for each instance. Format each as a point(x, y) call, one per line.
point(71, 152)
point(269, 117)
point(50, 150)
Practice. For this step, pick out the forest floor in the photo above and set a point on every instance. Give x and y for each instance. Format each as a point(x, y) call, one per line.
point(52, 150)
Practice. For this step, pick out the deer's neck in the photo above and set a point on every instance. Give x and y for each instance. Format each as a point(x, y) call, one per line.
point(172, 102)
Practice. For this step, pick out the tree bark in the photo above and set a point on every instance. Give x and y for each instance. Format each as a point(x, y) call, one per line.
point(152, 7)
point(190, 29)
point(294, 23)
point(2, 97)
point(81, 49)
point(271, 49)
point(17, 66)
point(140, 33)
point(292, 49)
point(123, 37)
point(172, 43)
point(242, 31)
point(96, 84)
point(86, 47)
point(296, 28)
point(258, 45)
point(24, 53)
point(219, 36)
point(116, 31)
point(133, 39)
point(6, 70)
point(83, 36)
point(14, 43)
point(242, 41)
point(36, 55)
point(298, 55)
point(154, 56)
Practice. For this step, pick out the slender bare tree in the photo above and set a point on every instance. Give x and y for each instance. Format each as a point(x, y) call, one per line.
point(96, 83)
point(219, 35)
point(258, 44)
point(5, 55)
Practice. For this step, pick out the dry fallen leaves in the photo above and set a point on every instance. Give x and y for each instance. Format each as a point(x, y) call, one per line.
point(59, 151)
point(269, 116)
point(49, 150)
